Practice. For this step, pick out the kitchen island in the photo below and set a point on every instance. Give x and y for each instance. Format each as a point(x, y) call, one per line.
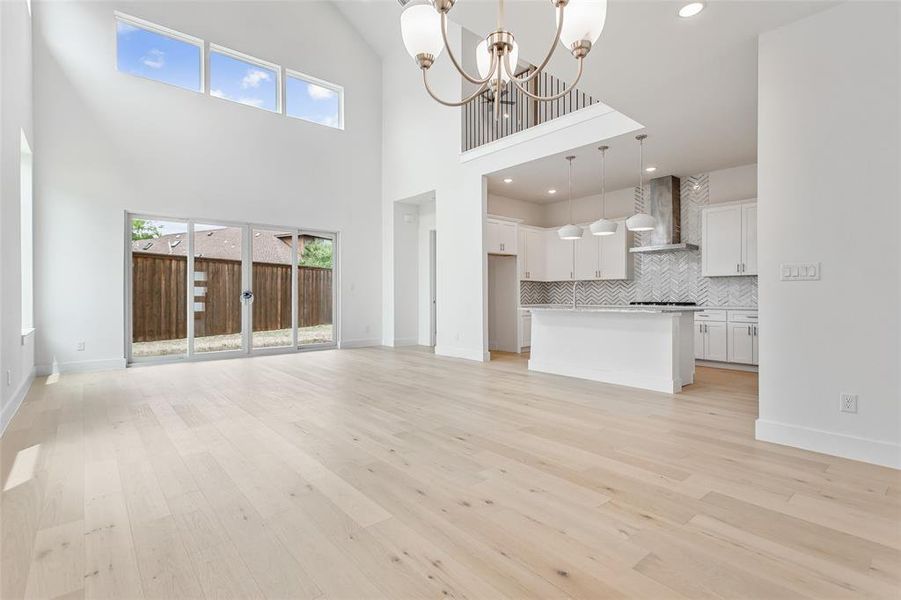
point(649, 347)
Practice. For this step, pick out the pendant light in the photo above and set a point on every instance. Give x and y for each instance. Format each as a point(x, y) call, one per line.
point(641, 221)
point(570, 232)
point(603, 226)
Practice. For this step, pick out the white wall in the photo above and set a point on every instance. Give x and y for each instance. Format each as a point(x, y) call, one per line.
point(16, 354)
point(426, 226)
point(828, 160)
point(725, 185)
point(111, 142)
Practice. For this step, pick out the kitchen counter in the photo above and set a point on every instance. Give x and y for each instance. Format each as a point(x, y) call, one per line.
point(649, 347)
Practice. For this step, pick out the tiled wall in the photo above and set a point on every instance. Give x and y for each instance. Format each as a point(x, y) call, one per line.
point(669, 276)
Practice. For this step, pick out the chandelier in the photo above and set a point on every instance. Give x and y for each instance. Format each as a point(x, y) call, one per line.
point(424, 31)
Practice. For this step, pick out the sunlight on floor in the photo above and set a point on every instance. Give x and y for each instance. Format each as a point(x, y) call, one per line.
point(23, 467)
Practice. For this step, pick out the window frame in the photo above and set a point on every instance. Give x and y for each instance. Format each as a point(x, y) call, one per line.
point(339, 89)
point(165, 31)
point(253, 60)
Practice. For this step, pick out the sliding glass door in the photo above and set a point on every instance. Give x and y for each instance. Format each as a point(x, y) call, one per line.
point(207, 289)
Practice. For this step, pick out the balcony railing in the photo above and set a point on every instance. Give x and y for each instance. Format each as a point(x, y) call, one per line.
point(518, 112)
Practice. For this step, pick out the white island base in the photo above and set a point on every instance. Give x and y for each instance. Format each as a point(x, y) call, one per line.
point(649, 348)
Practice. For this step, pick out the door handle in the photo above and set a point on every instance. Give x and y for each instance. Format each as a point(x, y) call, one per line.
point(749, 330)
point(247, 296)
point(738, 267)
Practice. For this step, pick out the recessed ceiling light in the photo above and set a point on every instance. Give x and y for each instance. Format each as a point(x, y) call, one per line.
point(552, 191)
point(691, 9)
point(650, 169)
point(508, 180)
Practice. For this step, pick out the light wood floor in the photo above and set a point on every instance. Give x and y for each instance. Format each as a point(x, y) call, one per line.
point(380, 473)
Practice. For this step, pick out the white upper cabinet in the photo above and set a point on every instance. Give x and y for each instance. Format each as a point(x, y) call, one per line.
point(604, 257)
point(749, 238)
point(531, 254)
point(729, 240)
point(502, 236)
point(559, 254)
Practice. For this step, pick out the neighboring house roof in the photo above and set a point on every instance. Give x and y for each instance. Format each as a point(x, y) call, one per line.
point(223, 243)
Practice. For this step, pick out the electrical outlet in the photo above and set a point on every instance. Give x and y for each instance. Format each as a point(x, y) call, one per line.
point(848, 403)
point(79, 346)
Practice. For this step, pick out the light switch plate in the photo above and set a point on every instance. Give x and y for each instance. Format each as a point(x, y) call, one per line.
point(799, 271)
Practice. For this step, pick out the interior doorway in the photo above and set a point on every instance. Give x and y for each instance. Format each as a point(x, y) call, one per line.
point(215, 289)
point(415, 272)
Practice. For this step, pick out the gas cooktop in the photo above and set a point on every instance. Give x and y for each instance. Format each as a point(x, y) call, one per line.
point(654, 303)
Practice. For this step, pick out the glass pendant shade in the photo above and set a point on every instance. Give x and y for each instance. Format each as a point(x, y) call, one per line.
point(603, 227)
point(420, 27)
point(641, 222)
point(583, 20)
point(483, 60)
point(570, 232)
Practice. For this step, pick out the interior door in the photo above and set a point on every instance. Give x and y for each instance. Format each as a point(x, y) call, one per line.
point(273, 282)
point(316, 292)
point(219, 282)
point(722, 245)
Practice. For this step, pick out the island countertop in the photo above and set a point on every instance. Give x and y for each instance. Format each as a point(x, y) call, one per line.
point(615, 308)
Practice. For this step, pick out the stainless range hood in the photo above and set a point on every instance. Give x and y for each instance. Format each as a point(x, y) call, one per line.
point(666, 208)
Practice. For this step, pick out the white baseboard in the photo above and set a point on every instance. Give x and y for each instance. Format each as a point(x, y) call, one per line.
point(82, 366)
point(360, 343)
point(467, 353)
point(715, 364)
point(877, 452)
point(15, 401)
point(413, 341)
point(636, 380)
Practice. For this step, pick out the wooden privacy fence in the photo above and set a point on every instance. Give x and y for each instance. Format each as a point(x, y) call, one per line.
point(159, 297)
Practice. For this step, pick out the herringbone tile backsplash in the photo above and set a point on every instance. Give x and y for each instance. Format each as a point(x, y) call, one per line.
point(664, 277)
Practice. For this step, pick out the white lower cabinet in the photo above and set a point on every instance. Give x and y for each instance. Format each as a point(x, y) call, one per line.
point(526, 330)
point(727, 336)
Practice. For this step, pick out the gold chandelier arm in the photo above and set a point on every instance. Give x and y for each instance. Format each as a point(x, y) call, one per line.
point(466, 100)
point(549, 55)
point(545, 98)
point(456, 63)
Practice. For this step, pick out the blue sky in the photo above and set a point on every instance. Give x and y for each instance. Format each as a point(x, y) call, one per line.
point(156, 56)
point(312, 102)
point(242, 82)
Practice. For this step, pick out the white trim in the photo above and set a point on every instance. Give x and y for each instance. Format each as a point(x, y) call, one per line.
point(412, 341)
point(253, 60)
point(81, 366)
point(26, 333)
point(636, 380)
point(359, 343)
point(339, 89)
point(465, 353)
point(715, 364)
point(15, 401)
point(887, 454)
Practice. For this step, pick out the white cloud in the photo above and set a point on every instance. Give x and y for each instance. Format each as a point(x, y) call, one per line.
point(253, 78)
point(126, 28)
point(217, 93)
point(155, 59)
point(317, 92)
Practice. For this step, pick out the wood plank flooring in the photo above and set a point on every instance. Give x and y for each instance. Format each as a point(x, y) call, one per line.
point(380, 473)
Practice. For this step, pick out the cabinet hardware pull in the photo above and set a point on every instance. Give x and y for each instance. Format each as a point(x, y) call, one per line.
point(749, 330)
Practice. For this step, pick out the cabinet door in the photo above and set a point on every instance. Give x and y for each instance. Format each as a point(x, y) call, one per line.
point(494, 237)
point(587, 250)
point(699, 340)
point(756, 332)
point(559, 258)
point(741, 343)
point(749, 238)
point(536, 255)
point(507, 236)
point(716, 342)
point(721, 241)
point(526, 331)
point(615, 259)
point(522, 260)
